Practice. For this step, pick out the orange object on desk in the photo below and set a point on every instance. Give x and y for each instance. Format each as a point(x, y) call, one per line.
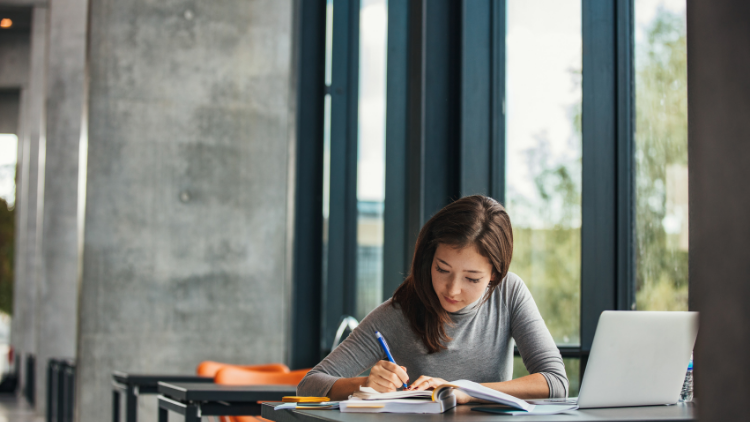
point(232, 375)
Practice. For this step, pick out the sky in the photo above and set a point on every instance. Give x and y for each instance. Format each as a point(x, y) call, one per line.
point(372, 68)
point(544, 47)
point(645, 11)
point(543, 43)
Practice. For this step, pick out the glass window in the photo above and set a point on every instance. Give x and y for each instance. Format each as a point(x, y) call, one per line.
point(371, 154)
point(572, 369)
point(8, 158)
point(661, 155)
point(543, 169)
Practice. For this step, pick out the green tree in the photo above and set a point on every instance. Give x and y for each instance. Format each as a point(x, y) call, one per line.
point(661, 143)
point(547, 256)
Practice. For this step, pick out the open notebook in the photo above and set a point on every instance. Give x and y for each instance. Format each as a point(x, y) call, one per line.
point(438, 400)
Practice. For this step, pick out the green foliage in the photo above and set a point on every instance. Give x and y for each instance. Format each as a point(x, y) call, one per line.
point(661, 142)
point(548, 256)
point(7, 229)
point(549, 261)
point(572, 370)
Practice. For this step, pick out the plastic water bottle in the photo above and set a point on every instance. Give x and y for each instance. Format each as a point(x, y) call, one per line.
point(687, 387)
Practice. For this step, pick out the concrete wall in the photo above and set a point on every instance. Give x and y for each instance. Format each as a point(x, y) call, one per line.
point(57, 285)
point(186, 212)
point(719, 155)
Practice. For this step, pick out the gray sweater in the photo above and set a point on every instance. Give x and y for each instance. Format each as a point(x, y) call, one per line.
point(481, 349)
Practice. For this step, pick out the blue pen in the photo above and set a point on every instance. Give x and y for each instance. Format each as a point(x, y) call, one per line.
point(387, 351)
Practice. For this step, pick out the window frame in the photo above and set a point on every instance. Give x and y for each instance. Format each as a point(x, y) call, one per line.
point(437, 151)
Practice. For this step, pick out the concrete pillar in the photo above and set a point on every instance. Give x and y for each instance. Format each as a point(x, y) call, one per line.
point(185, 253)
point(30, 130)
point(16, 331)
point(57, 289)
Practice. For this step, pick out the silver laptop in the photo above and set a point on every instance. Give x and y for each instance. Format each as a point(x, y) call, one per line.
point(638, 358)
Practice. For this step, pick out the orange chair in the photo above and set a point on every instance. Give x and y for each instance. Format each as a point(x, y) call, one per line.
point(209, 368)
point(232, 375)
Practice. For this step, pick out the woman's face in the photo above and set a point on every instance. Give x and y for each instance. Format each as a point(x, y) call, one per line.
point(459, 276)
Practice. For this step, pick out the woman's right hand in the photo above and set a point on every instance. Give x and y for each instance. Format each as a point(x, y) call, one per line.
point(386, 376)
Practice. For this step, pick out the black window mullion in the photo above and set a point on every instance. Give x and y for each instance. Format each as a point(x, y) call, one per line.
point(497, 185)
point(607, 232)
point(415, 124)
point(598, 228)
point(625, 157)
point(441, 67)
point(476, 97)
point(482, 148)
point(342, 222)
point(445, 119)
point(310, 22)
point(395, 242)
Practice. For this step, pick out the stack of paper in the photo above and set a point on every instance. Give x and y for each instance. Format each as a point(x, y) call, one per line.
point(370, 401)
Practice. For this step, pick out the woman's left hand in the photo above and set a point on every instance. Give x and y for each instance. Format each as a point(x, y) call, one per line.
point(428, 383)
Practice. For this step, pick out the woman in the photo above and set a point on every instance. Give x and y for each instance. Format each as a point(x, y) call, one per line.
point(454, 317)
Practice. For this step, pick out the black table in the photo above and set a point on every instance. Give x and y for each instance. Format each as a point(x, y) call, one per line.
point(679, 412)
point(135, 384)
point(196, 400)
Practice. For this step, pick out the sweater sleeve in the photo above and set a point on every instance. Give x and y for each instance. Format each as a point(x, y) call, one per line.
point(535, 343)
point(357, 353)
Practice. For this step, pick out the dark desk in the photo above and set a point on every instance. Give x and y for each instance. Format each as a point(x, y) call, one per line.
point(196, 400)
point(679, 412)
point(135, 384)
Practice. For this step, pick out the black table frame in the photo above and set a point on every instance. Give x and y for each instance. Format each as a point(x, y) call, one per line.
point(194, 401)
point(133, 385)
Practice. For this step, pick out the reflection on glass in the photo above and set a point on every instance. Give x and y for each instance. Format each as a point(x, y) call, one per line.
point(327, 141)
point(572, 369)
point(661, 155)
point(8, 158)
point(371, 154)
point(543, 138)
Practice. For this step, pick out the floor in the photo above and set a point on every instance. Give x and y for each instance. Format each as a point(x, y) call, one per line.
point(14, 409)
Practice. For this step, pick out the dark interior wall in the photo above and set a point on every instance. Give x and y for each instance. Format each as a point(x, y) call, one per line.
point(9, 103)
point(719, 155)
point(15, 48)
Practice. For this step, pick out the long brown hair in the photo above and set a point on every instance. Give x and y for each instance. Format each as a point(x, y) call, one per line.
point(473, 220)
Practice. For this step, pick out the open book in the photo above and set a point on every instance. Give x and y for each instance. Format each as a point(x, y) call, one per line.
point(438, 400)
point(367, 400)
